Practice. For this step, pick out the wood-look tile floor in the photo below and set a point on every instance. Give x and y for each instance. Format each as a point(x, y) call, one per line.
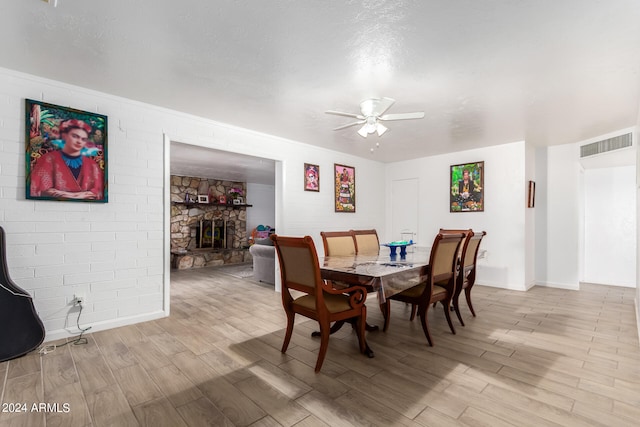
point(546, 357)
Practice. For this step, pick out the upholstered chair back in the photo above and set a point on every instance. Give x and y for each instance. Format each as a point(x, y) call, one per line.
point(366, 242)
point(444, 254)
point(338, 243)
point(300, 268)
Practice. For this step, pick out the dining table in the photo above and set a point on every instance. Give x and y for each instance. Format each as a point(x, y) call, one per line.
point(383, 274)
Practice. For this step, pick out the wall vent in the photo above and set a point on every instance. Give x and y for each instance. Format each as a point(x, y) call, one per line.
point(615, 143)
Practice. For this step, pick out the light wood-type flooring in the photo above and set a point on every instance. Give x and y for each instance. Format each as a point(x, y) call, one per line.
point(546, 357)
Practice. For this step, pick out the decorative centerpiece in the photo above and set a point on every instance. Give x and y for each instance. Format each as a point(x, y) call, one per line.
point(399, 244)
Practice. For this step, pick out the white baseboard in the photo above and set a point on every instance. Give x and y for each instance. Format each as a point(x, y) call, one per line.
point(637, 315)
point(102, 326)
point(570, 286)
point(500, 286)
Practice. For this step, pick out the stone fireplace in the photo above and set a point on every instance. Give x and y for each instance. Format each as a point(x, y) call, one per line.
point(207, 233)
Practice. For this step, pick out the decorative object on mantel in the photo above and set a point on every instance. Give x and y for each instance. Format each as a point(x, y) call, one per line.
point(466, 191)
point(235, 192)
point(222, 199)
point(203, 198)
point(345, 188)
point(238, 201)
point(189, 198)
point(66, 152)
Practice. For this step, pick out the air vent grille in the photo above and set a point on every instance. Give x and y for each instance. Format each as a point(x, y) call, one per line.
point(605, 145)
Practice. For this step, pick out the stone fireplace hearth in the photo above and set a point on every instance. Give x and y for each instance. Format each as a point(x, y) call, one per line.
point(206, 234)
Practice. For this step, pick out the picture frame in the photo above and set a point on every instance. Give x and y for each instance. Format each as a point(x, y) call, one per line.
point(203, 198)
point(311, 177)
point(65, 153)
point(238, 201)
point(466, 187)
point(345, 188)
point(222, 199)
point(531, 199)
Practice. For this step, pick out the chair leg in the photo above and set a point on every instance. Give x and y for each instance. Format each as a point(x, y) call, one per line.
point(324, 344)
point(385, 307)
point(447, 310)
point(456, 307)
point(467, 294)
point(287, 336)
point(422, 312)
point(360, 330)
point(414, 308)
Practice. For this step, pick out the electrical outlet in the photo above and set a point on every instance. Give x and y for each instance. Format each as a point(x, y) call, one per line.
point(78, 299)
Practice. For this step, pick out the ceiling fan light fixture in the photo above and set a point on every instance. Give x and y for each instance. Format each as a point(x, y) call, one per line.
point(372, 111)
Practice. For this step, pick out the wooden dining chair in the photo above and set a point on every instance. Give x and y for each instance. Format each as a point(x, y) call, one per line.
point(300, 271)
point(466, 276)
point(436, 284)
point(367, 242)
point(338, 243)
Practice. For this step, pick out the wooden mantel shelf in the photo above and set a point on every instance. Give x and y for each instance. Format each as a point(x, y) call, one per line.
point(224, 205)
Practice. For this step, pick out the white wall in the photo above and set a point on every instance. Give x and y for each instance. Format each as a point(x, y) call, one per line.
point(610, 226)
point(505, 205)
point(560, 253)
point(530, 218)
point(562, 213)
point(309, 212)
point(541, 220)
point(263, 211)
point(115, 253)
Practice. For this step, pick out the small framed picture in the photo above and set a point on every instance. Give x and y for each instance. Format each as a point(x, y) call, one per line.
point(238, 201)
point(345, 188)
point(222, 199)
point(203, 198)
point(311, 177)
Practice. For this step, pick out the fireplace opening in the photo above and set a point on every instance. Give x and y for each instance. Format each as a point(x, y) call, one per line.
point(215, 234)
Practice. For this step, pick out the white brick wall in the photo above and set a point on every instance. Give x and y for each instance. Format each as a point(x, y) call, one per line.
point(114, 253)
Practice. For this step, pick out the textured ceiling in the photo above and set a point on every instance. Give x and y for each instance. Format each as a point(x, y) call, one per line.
point(484, 72)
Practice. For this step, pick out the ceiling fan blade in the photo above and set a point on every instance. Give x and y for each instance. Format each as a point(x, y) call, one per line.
point(380, 128)
point(383, 105)
point(349, 125)
point(375, 106)
point(403, 116)
point(341, 113)
point(363, 131)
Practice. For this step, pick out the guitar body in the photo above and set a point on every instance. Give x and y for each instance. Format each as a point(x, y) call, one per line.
point(22, 330)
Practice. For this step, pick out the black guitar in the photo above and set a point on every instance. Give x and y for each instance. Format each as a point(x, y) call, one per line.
point(22, 330)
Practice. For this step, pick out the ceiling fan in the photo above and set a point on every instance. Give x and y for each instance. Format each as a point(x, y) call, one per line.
point(372, 112)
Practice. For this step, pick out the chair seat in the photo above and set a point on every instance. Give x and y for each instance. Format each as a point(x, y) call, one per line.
point(334, 303)
point(417, 290)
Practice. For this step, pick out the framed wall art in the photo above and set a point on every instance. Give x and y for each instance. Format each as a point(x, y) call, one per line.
point(203, 198)
point(345, 187)
point(66, 153)
point(311, 177)
point(531, 200)
point(466, 187)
